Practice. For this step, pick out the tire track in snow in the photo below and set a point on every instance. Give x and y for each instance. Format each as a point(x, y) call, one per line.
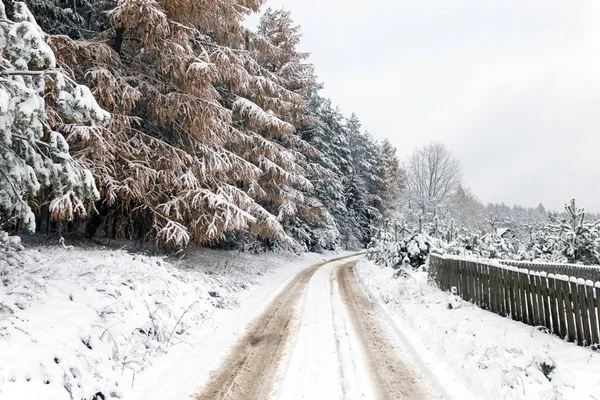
point(390, 377)
point(249, 370)
point(354, 376)
point(338, 347)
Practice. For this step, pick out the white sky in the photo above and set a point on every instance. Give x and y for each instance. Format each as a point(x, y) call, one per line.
point(511, 86)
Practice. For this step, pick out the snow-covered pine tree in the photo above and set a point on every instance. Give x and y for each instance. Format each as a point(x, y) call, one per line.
point(80, 19)
point(392, 178)
point(295, 203)
point(34, 95)
point(577, 240)
point(326, 133)
point(361, 187)
point(366, 158)
point(360, 216)
point(284, 59)
point(182, 79)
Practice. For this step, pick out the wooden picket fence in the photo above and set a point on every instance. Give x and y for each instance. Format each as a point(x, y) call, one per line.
point(569, 308)
point(578, 271)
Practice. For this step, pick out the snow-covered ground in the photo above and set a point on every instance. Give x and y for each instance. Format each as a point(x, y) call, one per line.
point(475, 354)
point(327, 360)
point(106, 324)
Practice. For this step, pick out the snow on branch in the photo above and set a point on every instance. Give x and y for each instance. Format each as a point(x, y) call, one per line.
point(275, 170)
point(33, 155)
point(260, 119)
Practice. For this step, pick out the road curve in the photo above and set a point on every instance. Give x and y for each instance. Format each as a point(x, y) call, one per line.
point(248, 372)
point(334, 345)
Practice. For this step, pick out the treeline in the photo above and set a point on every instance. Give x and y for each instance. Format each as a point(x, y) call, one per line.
point(169, 121)
point(435, 202)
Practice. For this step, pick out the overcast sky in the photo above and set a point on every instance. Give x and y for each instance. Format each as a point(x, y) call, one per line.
point(512, 87)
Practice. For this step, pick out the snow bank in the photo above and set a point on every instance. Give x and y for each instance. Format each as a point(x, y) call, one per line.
point(476, 354)
point(80, 324)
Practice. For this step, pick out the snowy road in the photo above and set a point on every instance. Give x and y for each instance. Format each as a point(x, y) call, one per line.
point(320, 338)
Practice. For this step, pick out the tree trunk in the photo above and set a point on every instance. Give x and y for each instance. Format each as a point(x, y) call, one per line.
point(95, 219)
point(119, 36)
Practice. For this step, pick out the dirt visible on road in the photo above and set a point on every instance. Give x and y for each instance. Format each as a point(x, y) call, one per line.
point(392, 379)
point(248, 372)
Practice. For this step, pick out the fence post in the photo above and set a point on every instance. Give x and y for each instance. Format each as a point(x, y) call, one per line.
point(522, 295)
point(568, 296)
point(597, 301)
point(540, 299)
point(592, 309)
point(585, 319)
point(576, 311)
point(505, 292)
point(510, 274)
point(560, 298)
point(553, 305)
point(534, 297)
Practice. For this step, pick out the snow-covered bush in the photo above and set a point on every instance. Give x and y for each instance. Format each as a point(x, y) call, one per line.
point(576, 239)
point(454, 300)
point(564, 239)
point(32, 155)
point(465, 243)
point(412, 250)
point(538, 244)
point(495, 246)
point(10, 246)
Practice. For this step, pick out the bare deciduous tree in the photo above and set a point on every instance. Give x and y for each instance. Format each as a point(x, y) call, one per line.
point(433, 175)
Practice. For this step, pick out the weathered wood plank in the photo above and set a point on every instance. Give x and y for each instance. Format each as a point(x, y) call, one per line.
point(483, 288)
point(546, 300)
point(458, 278)
point(591, 296)
point(553, 306)
point(569, 314)
point(540, 296)
point(514, 293)
point(560, 298)
point(585, 317)
point(597, 301)
point(476, 282)
point(534, 298)
point(528, 294)
point(577, 312)
point(485, 273)
point(493, 289)
point(522, 299)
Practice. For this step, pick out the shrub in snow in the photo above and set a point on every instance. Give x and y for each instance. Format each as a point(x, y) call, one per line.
point(10, 246)
point(412, 250)
point(539, 244)
point(495, 246)
point(454, 300)
point(576, 239)
point(32, 155)
point(464, 244)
